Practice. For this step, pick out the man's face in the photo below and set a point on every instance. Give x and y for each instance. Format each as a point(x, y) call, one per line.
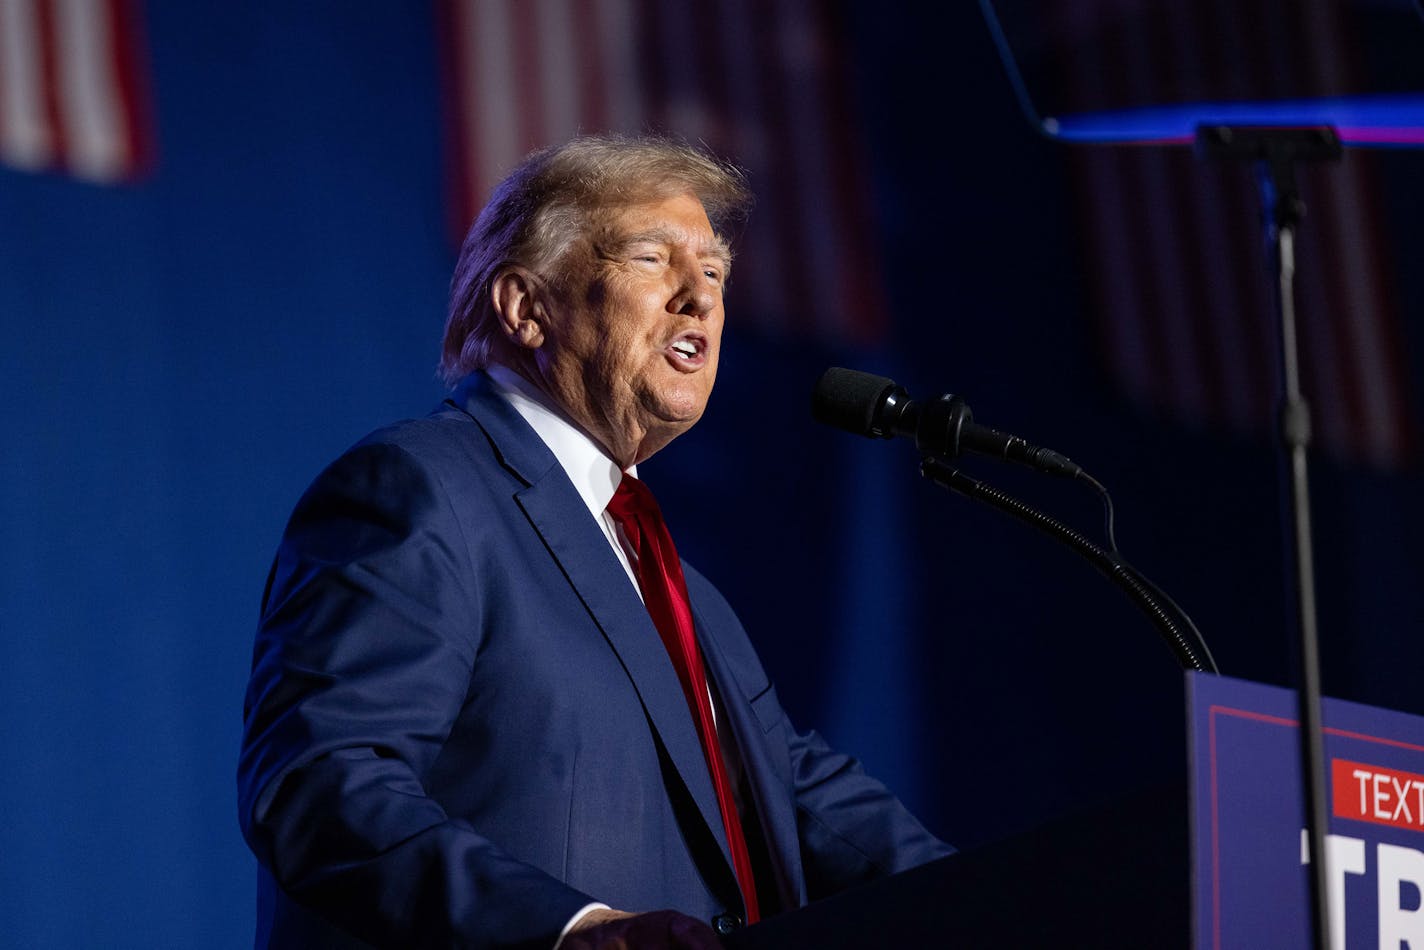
point(635, 325)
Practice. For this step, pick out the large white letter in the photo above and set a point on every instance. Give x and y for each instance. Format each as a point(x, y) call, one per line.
point(1343, 855)
point(1399, 866)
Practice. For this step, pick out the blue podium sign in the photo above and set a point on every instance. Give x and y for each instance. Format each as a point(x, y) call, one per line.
point(1248, 842)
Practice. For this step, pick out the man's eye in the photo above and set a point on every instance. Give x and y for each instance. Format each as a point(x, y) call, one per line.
point(713, 275)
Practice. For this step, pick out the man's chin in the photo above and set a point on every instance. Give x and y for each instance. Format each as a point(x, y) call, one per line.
point(678, 409)
point(674, 426)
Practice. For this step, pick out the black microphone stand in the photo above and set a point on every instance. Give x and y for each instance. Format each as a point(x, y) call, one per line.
point(1178, 632)
point(1276, 151)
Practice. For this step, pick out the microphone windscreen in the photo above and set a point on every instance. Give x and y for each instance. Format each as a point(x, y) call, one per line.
point(849, 399)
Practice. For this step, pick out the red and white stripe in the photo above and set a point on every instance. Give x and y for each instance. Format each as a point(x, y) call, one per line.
point(70, 88)
point(760, 83)
point(1181, 292)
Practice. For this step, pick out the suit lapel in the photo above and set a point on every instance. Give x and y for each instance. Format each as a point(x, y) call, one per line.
point(562, 521)
point(771, 797)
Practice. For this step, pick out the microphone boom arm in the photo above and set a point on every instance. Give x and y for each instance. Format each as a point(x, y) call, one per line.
point(1176, 628)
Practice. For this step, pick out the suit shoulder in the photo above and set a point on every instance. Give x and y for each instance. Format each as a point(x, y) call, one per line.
point(426, 464)
point(443, 447)
point(435, 437)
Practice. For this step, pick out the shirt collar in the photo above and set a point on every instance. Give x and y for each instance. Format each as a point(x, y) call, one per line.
point(594, 474)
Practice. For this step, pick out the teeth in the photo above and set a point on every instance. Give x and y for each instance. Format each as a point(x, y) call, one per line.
point(686, 347)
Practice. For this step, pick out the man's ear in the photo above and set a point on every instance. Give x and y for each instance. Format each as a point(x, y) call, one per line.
point(517, 297)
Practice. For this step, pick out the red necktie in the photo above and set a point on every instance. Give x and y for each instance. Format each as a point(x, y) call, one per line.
point(665, 592)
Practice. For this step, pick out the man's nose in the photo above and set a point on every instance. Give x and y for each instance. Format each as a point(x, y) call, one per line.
point(697, 294)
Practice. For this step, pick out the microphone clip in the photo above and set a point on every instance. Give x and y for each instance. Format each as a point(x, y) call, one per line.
point(941, 426)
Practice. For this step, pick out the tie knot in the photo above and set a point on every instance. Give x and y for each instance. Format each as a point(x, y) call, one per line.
point(633, 500)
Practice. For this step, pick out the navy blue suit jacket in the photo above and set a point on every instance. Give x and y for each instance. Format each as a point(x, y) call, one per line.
point(462, 725)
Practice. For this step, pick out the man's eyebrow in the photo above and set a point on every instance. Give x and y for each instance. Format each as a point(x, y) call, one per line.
point(717, 247)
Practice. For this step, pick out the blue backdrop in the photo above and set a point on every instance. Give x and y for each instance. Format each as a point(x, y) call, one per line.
point(182, 355)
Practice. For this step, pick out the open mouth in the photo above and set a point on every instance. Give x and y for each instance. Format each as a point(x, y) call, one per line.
point(689, 350)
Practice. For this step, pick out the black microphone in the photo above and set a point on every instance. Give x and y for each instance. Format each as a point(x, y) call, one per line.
point(876, 408)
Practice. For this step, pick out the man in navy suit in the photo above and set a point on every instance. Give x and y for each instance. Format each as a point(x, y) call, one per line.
point(463, 726)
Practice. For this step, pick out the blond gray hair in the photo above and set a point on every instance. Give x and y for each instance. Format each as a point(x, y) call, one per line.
point(549, 201)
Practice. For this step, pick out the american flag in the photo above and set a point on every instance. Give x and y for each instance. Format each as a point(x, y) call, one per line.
point(762, 82)
point(1181, 289)
point(72, 88)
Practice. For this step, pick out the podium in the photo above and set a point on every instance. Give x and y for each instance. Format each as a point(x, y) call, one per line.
point(1116, 878)
point(1214, 861)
